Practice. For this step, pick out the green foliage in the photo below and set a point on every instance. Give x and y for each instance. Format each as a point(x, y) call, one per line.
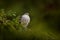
point(45, 19)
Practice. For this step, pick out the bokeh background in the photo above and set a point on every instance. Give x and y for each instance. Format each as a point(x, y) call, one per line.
point(45, 19)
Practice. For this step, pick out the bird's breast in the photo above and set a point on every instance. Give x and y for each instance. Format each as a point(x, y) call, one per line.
point(25, 19)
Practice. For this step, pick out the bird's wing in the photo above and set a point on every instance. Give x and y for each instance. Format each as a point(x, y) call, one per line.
point(19, 19)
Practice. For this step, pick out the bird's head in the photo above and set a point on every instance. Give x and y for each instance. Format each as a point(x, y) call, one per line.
point(26, 14)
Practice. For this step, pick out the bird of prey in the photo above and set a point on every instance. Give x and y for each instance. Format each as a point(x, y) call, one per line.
point(25, 20)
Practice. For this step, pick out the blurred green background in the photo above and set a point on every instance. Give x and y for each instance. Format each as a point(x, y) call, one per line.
point(45, 19)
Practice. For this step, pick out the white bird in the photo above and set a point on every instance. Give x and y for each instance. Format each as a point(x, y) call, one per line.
point(25, 20)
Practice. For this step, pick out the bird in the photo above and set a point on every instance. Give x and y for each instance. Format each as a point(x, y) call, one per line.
point(25, 20)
